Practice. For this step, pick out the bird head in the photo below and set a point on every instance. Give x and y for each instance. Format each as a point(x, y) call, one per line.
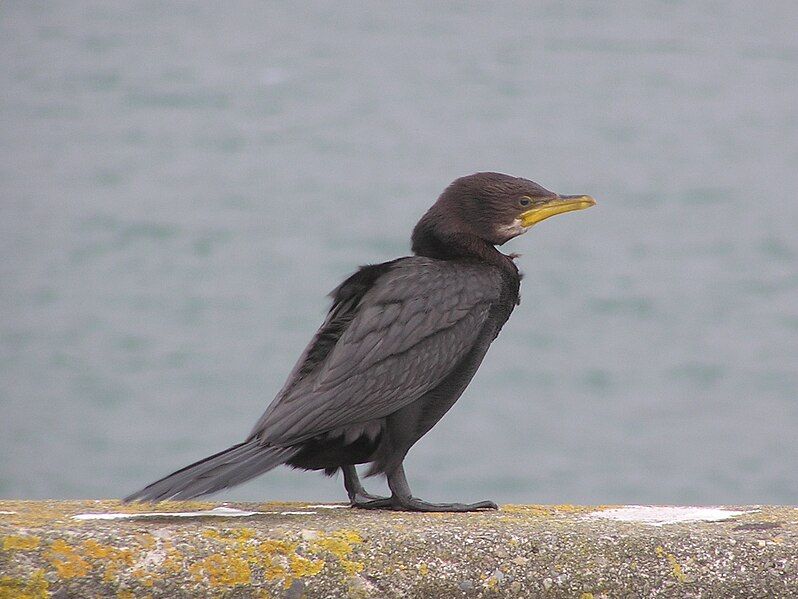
point(498, 207)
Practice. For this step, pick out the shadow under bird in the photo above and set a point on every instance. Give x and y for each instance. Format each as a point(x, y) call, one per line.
point(400, 344)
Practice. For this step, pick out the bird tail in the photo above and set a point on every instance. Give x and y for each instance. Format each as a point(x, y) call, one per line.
point(227, 468)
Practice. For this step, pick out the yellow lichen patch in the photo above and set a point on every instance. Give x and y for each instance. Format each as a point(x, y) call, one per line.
point(302, 567)
point(66, 561)
point(143, 577)
point(112, 559)
point(124, 594)
point(586, 596)
point(34, 588)
point(234, 535)
point(549, 510)
point(530, 510)
point(174, 561)
point(32, 514)
point(111, 571)
point(222, 570)
point(273, 571)
point(271, 559)
point(163, 506)
point(271, 546)
point(676, 568)
point(20, 543)
point(567, 508)
point(423, 569)
point(238, 542)
point(351, 567)
point(340, 544)
point(351, 536)
point(146, 540)
point(95, 550)
point(274, 559)
point(69, 563)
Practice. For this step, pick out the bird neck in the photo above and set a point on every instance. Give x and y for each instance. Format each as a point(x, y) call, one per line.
point(441, 244)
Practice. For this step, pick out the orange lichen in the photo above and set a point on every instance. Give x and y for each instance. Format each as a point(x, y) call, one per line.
point(66, 561)
point(147, 541)
point(109, 558)
point(340, 544)
point(351, 567)
point(36, 587)
point(247, 558)
point(20, 543)
point(272, 572)
point(95, 550)
point(144, 578)
point(174, 561)
point(230, 534)
point(302, 566)
point(222, 570)
point(271, 546)
point(272, 557)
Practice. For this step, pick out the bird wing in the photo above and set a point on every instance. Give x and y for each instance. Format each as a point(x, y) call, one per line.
point(408, 331)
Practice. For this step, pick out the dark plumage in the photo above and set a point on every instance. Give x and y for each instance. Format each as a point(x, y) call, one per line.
point(400, 343)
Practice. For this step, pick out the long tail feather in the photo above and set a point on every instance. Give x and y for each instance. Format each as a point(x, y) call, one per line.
point(228, 468)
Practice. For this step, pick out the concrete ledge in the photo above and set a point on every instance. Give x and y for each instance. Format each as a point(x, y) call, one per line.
point(84, 549)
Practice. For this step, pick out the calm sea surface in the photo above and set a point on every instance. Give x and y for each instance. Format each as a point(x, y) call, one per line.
point(182, 183)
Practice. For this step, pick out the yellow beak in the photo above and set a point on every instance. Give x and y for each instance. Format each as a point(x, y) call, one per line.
point(556, 206)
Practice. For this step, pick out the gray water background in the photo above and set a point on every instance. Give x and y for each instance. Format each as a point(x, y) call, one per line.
point(182, 183)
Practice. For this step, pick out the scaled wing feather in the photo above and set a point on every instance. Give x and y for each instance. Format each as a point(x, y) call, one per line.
point(410, 329)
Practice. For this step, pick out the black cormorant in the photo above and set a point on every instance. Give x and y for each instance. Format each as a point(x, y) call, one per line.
point(400, 343)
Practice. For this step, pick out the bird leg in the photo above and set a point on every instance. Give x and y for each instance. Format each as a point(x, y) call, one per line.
point(402, 499)
point(357, 494)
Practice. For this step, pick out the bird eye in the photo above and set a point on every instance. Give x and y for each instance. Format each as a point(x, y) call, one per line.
point(525, 201)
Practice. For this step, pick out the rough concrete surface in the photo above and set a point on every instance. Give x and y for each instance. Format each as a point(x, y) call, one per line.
point(300, 550)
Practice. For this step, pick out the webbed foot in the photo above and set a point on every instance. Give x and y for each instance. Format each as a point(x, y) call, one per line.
point(402, 498)
point(418, 505)
point(376, 503)
point(414, 504)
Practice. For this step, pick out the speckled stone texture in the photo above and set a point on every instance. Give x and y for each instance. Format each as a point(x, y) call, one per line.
point(299, 550)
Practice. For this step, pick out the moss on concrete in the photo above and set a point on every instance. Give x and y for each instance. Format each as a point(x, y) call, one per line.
point(305, 551)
